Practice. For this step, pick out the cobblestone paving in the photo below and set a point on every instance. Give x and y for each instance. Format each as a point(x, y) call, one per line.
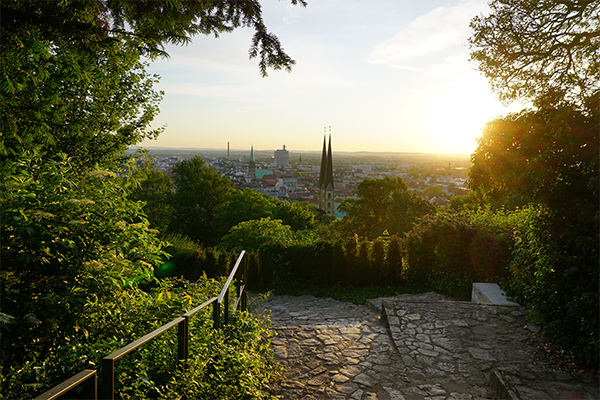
point(425, 347)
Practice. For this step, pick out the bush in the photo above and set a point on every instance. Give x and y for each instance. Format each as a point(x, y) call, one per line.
point(560, 284)
point(67, 239)
point(351, 260)
point(363, 268)
point(186, 258)
point(393, 270)
point(234, 362)
point(448, 252)
point(379, 266)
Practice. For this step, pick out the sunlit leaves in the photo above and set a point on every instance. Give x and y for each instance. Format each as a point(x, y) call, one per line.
point(66, 238)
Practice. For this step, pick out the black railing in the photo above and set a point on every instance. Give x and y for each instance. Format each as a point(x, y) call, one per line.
point(87, 378)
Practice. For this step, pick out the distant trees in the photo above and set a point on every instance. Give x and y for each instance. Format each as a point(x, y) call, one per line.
point(382, 204)
point(157, 191)
point(200, 189)
point(249, 204)
point(433, 191)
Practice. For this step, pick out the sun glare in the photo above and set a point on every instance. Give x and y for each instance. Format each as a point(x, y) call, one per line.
point(455, 129)
point(457, 118)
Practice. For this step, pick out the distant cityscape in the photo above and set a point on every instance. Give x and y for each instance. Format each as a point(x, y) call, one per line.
point(294, 175)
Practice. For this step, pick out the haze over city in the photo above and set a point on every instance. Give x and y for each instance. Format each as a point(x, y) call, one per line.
point(386, 76)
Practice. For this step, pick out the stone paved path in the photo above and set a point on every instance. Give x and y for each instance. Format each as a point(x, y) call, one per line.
point(426, 347)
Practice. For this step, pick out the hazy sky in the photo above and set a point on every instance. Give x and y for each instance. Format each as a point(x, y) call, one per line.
point(386, 75)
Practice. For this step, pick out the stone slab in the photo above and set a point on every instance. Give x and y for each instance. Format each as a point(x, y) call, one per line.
point(489, 293)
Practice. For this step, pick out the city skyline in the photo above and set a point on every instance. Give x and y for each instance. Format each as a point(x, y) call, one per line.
point(386, 76)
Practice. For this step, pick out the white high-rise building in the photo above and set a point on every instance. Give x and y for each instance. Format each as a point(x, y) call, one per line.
point(282, 157)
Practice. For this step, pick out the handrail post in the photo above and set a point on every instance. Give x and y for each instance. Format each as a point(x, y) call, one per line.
point(238, 287)
point(226, 308)
point(244, 295)
point(90, 387)
point(216, 315)
point(182, 341)
point(108, 379)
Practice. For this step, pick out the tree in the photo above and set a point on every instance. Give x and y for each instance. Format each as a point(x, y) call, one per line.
point(252, 235)
point(405, 210)
point(73, 79)
point(541, 51)
point(297, 215)
point(433, 191)
point(382, 204)
point(547, 52)
point(63, 94)
point(249, 204)
point(368, 210)
point(549, 156)
point(67, 240)
point(151, 25)
point(156, 190)
point(242, 205)
point(200, 190)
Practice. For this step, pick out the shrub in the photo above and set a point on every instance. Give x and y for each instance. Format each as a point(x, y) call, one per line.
point(351, 260)
point(67, 239)
point(234, 362)
point(364, 271)
point(448, 252)
point(393, 270)
point(186, 258)
point(378, 262)
point(558, 282)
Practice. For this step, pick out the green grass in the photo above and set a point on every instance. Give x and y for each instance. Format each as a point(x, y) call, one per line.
point(351, 294)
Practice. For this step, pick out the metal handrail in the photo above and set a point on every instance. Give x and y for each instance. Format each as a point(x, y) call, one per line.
point(230, 278)
point(87, 377)
point(182, 323)
point(108, 362)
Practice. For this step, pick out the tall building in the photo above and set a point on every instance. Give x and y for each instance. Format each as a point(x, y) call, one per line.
point(282, 157)
point(326, 190)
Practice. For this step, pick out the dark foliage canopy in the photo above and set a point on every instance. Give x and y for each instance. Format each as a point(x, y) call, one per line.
point(541, 51)
point(73, 72)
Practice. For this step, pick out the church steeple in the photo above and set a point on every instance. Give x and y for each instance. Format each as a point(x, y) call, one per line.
point(329, 173)
point(326, 187)
point(251, 164)
point(322, 173)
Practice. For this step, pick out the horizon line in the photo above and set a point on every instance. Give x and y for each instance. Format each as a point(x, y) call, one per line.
point(299, 150)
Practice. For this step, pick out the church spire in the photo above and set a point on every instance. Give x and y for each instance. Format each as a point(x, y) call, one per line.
point(323, 163)
point(326, 186)
point(329, 172)
point(251, 165)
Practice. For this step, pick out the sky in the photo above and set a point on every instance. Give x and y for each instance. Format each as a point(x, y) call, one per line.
point(386, 75)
